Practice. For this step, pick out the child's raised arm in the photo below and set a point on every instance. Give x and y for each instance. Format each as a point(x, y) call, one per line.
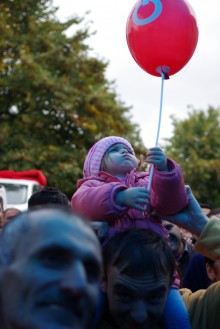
point(158, 158)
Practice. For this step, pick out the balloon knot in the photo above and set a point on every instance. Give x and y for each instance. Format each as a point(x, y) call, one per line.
point(163, 70)
point(166, 76)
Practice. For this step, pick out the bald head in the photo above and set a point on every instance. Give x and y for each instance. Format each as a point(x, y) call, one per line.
point(50, 267)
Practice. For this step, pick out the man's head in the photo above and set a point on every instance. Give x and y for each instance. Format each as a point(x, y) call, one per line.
point(213, 269)
point(10, 213)
point(138, 272)
point(175, 237)
point(48, 195)
point(49, 271)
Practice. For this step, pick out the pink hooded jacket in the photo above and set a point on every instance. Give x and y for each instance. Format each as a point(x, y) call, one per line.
point(95, 198)
point(95, 195)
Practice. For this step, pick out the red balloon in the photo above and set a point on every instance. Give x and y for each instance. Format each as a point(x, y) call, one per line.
point(162, 35)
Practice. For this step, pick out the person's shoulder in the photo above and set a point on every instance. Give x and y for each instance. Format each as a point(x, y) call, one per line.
point(203, 295)
point(204, 299)
point(192, 298)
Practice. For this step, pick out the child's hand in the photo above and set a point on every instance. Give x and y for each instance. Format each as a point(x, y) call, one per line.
point(134, 197)
point(158, 158)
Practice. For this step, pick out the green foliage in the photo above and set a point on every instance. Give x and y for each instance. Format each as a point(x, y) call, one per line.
point(195, 145)
point(55, 101)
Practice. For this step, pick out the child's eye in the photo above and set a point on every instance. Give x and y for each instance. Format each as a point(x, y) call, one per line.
point(114, 149)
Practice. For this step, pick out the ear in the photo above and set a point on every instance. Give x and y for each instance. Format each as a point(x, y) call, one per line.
point(210, 272)
point(103, 283)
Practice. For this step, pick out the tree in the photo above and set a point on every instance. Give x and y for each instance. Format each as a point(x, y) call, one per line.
point(195, 145)
point(55, 101)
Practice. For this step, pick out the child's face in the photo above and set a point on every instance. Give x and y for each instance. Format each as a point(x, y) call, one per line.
point(119, 160)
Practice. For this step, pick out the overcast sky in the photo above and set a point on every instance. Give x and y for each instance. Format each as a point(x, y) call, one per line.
point(197, 84)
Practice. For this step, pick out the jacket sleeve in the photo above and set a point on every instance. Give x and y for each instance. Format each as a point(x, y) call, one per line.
point(95, 200)
point(168, 193)
point(203, 306)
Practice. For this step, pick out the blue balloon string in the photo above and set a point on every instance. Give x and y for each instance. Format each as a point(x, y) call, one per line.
point(158, 128)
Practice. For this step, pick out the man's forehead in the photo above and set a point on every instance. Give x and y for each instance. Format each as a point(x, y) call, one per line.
point(58, 220)
point(59, 230)
point(141, 280)
point(46, 217)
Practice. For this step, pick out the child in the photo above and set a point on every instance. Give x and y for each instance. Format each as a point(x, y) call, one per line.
point(113, 191)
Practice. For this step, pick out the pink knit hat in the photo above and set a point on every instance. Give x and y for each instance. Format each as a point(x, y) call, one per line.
point(95, 155)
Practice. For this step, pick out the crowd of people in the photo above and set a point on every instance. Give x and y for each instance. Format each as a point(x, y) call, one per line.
point(128, 251)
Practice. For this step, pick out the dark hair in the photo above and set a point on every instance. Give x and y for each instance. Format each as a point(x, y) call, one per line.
point(204, 205)
point(48, 195)
point(137, 251)
point(213, 212)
